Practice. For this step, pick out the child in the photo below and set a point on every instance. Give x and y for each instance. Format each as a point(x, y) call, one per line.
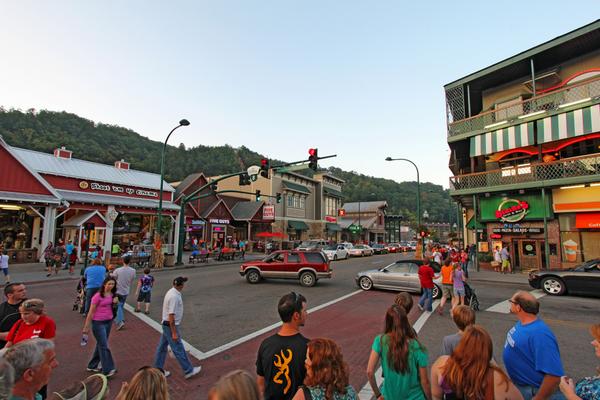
point(144, 291)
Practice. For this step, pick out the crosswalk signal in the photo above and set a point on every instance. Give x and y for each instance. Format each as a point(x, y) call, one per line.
point(257, 195)
point(278, 198)
point(264, 167)
point(244, 179)
point(313, 159)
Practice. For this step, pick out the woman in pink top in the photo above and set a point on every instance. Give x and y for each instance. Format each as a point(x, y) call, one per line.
point(100, 316)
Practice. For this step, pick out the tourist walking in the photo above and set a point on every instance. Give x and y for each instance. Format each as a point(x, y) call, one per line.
point(497, 259)
point(587, 388)
point(403, 360)
point(426, 277)
point(236, 385)
point(147, 384)
point(15, 294)
point(505, 256)
point(447, 287)
point(33, 323)
point(49, 257)
point(284, 351)
point(172, 316)
point(125, 276)
point(100, 318)
point(531, 355)
point(458, 284)
point(144, 291)
point(33, 362)
point(4, 265)
point(94, 276)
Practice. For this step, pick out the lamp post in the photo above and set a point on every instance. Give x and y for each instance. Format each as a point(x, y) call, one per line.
point(183, 122)
point(418, 192)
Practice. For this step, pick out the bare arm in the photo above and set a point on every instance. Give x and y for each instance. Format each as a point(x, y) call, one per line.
point(567, 387)
point(299, 395)
point(549, 384)
point(371, 367)
point(500, 390)
point(425, 382)
point(88, 319)
point(172, 326)
point(260, 382)
point(436, 389)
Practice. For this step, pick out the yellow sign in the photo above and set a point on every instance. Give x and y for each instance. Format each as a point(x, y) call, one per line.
point(84, 185)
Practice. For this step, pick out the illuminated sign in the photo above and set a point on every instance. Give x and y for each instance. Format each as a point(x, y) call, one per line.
point(511, 210)
point(218, 221)
point(268, 212)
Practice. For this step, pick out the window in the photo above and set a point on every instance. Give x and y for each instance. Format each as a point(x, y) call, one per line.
point(399, 268)
point(301, 205)
point(314, 258)
point(290, 200)
point(296, 202)
point(293, 258)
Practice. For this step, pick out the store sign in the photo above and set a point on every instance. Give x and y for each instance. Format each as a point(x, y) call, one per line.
point(197, 222)
point(218, 221)
point(511, 210)
point(516, 228)
point(587, 220)
point(495, 236)
point(330, 219)
point(218, 229)
point(104, 187)
point(268, 212)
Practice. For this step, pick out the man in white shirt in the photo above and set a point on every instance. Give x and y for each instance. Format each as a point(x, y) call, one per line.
point(4, 265)
point(125, 276)
point(172, 314)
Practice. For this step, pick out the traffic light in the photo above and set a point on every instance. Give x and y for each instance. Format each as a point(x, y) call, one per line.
point(257, 195)
point(89, 226)
point(313, 159)
point(213, 187)
point(264, 167)
point(244, 179)
point(341, 212)
point(278, 198)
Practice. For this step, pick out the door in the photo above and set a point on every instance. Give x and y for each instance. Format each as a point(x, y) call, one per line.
point(397, 276)
point(530, 256)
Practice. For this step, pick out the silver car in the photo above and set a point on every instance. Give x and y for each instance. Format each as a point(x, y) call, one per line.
point(403, 275)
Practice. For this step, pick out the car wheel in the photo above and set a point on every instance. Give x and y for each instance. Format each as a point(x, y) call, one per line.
point(553, 286)
point(365, 283)
point(308, 279)
point(335, 257)
point(253, 276)
point(436, 293)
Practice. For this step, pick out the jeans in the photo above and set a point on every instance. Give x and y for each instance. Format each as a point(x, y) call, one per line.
point(102, 354)
point(465, 267)
point(166, 340)
point(120, 313)
point(529, 391)
point(89, 292)
point(427, 295)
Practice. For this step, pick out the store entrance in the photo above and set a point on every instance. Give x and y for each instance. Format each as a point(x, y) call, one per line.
point(528, 252)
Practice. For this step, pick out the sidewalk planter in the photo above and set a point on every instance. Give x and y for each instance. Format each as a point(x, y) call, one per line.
point(169, 260)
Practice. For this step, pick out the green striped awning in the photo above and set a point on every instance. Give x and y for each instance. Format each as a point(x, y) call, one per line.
point(509, 138)
point(333, 192)
point(297, 225)
point(331, 227)
point(569, 124)
point(295, 187)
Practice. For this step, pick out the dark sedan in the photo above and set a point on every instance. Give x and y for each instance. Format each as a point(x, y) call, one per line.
point(583, 280)
point(379, 249)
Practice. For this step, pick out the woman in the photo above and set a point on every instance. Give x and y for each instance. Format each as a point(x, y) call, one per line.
point(236, 385)
point(147, 384)
point(458, 283)
point(587, 388)
point(49, 257)
point(468, 373)
point(326, 373)
point(33, 323)
point(497, 259)
point(403, 360)
point(100, 317)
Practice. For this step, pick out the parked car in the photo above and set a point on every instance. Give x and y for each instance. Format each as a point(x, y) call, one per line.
point(393, 248)
point(583, 280)
point(314, 244)
point(336, 252)
point(306, 266)
point(379, 249)
point(402, 275)
point(360, 250)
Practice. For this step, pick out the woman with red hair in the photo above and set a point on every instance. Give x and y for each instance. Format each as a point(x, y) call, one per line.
point(327, 374)
point(469, 374)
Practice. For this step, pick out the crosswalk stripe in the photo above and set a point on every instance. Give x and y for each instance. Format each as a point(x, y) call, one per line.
point(504, 306)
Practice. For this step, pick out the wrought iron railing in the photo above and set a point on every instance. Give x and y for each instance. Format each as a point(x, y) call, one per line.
point(545, 102)
point(567, 168)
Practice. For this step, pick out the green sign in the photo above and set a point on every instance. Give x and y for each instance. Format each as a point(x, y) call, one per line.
point(355, 228)
point(514, 208)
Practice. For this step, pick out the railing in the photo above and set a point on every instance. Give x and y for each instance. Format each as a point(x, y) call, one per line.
point(567, 168)
point(545, 102)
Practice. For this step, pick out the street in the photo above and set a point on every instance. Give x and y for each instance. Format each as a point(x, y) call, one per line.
point(226, 318)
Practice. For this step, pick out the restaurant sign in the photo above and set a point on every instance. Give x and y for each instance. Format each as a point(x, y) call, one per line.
point(524, 207)
point(218, 221)
point(511, 210)
point(268, 212)
point(517, 228)
point(105, 187)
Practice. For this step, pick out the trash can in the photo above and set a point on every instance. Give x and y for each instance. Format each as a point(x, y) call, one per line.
point(169, 259)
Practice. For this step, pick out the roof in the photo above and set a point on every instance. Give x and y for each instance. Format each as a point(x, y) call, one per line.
point(565, 47)
point(365, 206)
point(29, 198)
point(295, 187)
point(184, 184)
point(74, 168)
point(346, 222)
point(332, 192)
point(80, 197)
point(330, 176)
point(245, 210)
point(79, 219)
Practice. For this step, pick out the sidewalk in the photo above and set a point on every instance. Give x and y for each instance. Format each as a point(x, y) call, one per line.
point(36, 272)
point(485, 275)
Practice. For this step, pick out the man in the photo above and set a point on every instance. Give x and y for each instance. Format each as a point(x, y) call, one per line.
point(33, 361)
point(531, 355)
point(505, 256)
point(69, 248)
point(125, 276)
point(15, 294)
point(280, 361)
point(437, 256)
point(447, 286)
point(426, 277)
point(94, 277)
point(116, 250)
point(463, 318)
point(7, 379)
point(4, 265)
point(172, 314)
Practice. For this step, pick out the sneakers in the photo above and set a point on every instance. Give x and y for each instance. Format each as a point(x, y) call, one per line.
point(167, 373)
point(137, 310)
point(194, 372)
point(97, 369)
point(120, 325)
point(420, 307)
point(111, 373)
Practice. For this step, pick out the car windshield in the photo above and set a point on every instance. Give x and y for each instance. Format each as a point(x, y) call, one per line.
point(331, 248)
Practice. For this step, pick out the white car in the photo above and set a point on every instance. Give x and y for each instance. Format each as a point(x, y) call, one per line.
point(314, 244)
point(360, 250)
point(336, 252)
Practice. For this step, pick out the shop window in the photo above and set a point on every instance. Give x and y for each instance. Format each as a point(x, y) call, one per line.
point(590, 245)
point(553, 249)
point(529, 248)
point(290, 200)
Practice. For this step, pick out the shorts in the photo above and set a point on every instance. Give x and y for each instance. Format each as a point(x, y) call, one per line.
point(447, 291)
point(459, 292)
point(4, 271)
point(505, 264)
point(144, 297)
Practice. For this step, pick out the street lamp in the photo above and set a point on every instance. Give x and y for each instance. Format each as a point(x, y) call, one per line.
point(418, 191)
point(183, 122)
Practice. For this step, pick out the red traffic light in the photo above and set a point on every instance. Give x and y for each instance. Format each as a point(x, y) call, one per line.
point(422, 234)
point(264, 162)
point(312, 152)
point(341, 212)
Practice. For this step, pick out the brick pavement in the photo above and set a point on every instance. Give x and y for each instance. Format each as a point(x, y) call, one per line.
point(352, 323)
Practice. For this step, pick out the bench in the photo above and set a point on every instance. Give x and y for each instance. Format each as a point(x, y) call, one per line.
point(199, 258)
point(140, 261)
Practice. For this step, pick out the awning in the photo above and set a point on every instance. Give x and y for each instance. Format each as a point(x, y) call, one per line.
point(509, 138)
point(295, 187)
point(297, 225)
point(346, 222)
point(333, 227)
point(105, 199)
point(569, 124)
point(471, 224)
point(78, 220)
point(28, 198)
point(333, 192)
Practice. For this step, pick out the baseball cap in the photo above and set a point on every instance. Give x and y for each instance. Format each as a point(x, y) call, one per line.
point(179, 280)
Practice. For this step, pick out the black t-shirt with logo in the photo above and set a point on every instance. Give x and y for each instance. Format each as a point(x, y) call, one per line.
point(9, 315)
point(281, 362)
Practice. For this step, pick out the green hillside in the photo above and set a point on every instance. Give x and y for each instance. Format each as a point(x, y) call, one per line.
point(46, 130)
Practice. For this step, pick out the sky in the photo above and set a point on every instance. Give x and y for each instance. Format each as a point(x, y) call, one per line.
point(360, 79)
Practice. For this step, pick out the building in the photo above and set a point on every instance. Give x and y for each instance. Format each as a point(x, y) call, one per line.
point(524, 136)
point(364, 222)
point(45, 197)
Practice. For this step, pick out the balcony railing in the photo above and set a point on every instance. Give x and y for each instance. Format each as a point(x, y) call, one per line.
point(545, 102)
point(526, 173)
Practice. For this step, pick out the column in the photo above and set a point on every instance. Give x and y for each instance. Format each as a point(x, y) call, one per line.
point(48, 230)
point(110, 216)
point(176, 237)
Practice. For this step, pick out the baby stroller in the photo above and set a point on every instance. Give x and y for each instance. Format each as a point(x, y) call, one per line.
point(79, 303)
point(471, 299)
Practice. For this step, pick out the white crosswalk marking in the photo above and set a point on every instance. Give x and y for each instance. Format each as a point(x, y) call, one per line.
point(504, 306)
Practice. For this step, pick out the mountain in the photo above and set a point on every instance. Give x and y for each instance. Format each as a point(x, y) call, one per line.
point(46, 130)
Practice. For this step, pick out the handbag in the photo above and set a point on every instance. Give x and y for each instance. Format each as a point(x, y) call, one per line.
point(115, 307)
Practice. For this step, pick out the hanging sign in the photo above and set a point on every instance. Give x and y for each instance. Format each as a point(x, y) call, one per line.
point(268, 212)
point(511, 210)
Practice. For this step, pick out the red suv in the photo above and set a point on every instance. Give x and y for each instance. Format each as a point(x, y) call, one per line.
point(307, 266)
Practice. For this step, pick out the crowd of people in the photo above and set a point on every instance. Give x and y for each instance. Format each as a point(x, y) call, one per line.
point(290, 366)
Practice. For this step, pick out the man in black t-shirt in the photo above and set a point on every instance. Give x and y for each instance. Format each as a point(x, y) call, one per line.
point(9, 310)
point(280, 362)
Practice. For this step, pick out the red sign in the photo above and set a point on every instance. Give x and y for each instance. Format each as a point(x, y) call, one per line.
point(495, 236)
point(330, 219)
point(587, 220)
point(268, 212)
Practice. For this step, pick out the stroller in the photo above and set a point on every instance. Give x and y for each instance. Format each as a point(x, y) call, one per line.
point(79, 303)
point(471, 299)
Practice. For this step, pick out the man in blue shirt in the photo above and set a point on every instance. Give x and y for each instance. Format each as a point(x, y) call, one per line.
point(531, 355)
point(94, 277)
